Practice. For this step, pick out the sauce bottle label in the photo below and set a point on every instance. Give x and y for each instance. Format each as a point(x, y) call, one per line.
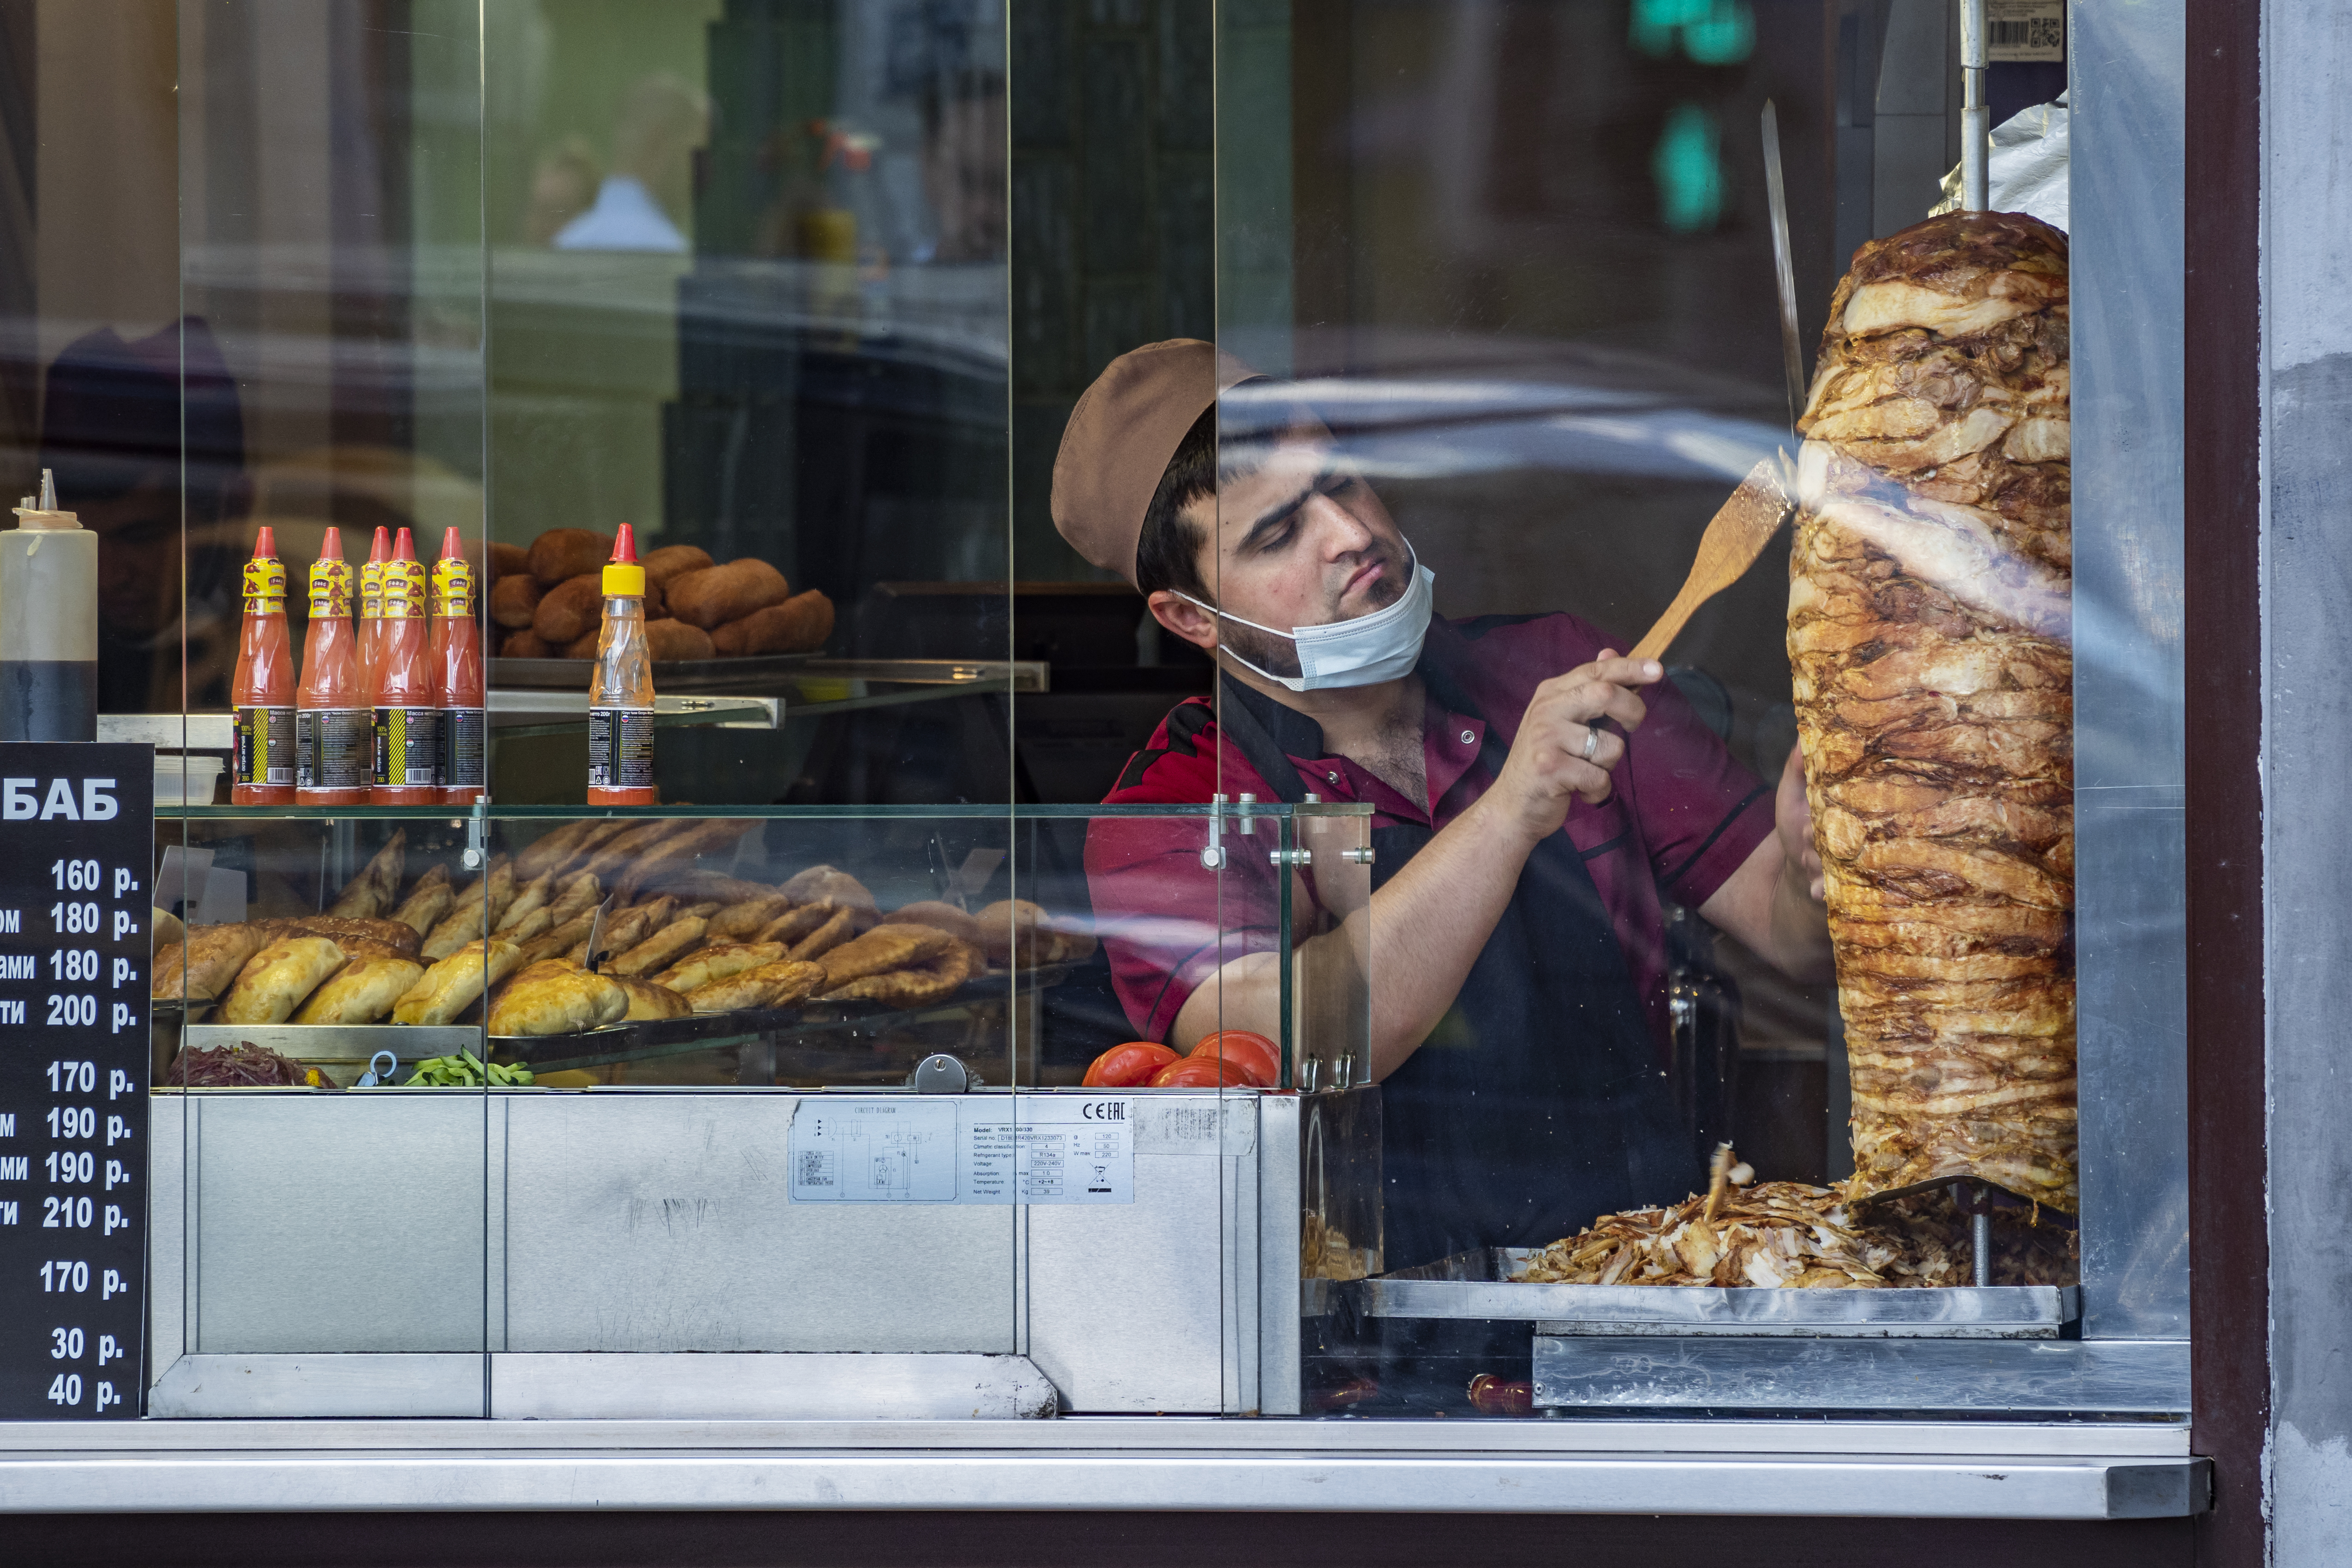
point(265, 586)
point(403, 590)
point(407, 747)
point(372, 591)
point(462, 729)
point(330, 590)
point(452, 587)
point(334, 747)
point(265, 746)
point(620, 748)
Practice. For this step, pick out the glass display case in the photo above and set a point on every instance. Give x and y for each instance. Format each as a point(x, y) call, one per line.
point(1776, 1018)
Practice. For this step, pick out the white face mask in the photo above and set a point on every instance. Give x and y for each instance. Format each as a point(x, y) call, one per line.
point(1381, 646)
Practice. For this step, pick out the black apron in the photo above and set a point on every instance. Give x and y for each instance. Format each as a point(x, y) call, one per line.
point(1537, 1103)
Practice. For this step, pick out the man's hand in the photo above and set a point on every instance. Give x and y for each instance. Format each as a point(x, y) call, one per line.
point(1792, 816)
point(1569, 714)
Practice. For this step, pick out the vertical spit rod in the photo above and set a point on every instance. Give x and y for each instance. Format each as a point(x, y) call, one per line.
point(1975, 114)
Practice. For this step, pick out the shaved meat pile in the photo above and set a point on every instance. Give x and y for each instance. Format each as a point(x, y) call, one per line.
point(1785, 1233)
point(1929, 598)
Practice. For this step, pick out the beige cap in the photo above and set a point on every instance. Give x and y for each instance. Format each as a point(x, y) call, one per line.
point(1120, 436)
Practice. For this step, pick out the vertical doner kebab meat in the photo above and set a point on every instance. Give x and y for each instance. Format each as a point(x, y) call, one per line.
point(1929, 600)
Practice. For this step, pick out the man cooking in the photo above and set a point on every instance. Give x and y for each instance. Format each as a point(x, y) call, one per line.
point(1535, 795)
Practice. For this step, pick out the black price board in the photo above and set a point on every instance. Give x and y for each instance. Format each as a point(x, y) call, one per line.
point(77, 856)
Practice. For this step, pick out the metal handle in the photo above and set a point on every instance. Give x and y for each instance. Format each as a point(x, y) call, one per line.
point(1976, 115)
point(1362, 854)
point(1291, 857)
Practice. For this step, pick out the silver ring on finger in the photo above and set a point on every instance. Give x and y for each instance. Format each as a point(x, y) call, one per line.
point(1592, 743)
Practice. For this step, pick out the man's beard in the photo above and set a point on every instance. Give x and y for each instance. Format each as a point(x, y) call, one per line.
point(1274, 655)
point(1278, 656)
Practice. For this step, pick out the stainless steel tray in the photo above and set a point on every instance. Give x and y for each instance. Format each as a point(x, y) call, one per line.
point(1477, 1285)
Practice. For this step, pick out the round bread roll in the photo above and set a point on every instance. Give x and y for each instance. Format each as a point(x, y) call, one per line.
point(1014, 924)
point(719, 594)
point(674, 639)
point(569, 609)
point(513, 599)
point(946, 918)
point(799, 624)
point(525, 644)
point(825, 884)
point(675, 561)
point(561, 554)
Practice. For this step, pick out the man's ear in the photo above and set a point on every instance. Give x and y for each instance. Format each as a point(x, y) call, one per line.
point(1184, 618)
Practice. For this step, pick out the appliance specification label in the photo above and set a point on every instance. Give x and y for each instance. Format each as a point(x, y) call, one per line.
point(2023, 31)
point(969, 1150)
point(77, 841)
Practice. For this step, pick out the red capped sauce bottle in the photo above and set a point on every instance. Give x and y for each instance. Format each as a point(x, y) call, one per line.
point(407, 724)
point(621, 689)
point(332, 721)
point(371, 627)
point(262, 688)
point(458, 687)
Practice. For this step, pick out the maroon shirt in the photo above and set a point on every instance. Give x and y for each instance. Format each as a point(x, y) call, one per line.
point(1682, 817)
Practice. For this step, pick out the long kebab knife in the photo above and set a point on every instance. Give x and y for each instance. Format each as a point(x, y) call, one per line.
point(1792, 353)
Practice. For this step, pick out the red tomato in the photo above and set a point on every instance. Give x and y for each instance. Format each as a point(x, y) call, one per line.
point(1129, 1066)
point(1199, 1072)
point(1259, 1058)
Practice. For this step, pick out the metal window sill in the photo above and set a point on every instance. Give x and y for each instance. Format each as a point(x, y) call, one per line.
point(2023, 1471)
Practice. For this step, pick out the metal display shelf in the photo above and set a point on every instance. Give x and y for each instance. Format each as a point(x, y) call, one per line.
point(1478, 1286)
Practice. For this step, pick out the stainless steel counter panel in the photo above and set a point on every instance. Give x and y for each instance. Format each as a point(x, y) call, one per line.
point(660, 1222)
point(1152, 1305)
point(1982, 1376)
point(324, 1222)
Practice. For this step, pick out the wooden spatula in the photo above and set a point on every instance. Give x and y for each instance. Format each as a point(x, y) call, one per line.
point(1733, 540)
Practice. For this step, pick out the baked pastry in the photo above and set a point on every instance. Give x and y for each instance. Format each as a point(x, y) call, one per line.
point(396, 935)
point(799, 624)
point(926, 981)
point(371, 893)
point(658, 950)
point(1929, 602)
point(776, 985)
point(276, 979)
point(946, 916)
point(205, 965)
point(795, 922)
point(748, 917)
point(1014, 927)
point(575, 896)
point(528, 898)
point(558, 940)
point(712, 836)
point(560, 1002)
point(891, 947)
point(716, 962)
point(427, 902)
point(561, 554)
point(647, 1000)
point(551, 849)
point(824, 884)
point(838, 927)
point(362, 991)
point(457, 982)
